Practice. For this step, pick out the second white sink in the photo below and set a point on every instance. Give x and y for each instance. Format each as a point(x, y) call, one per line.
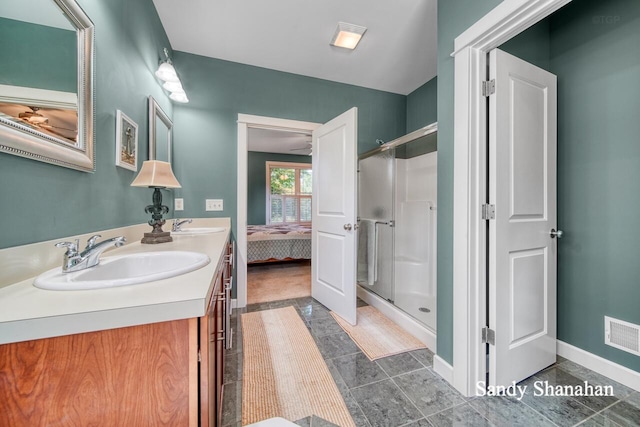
point(124, 270)
point(197, 230)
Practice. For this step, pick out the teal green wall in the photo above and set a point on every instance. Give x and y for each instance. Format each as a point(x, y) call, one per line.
point(37, 56)
point(206, 132)
point(257, 182)
point(454, 17)
point(422, 106)
point(588, 44)
point(42, 201)
point(595, 54)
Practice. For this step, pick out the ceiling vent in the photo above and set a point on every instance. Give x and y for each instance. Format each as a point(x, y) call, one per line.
point(622, 335)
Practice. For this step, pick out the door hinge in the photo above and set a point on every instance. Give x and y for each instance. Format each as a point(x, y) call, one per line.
point(488, 87)
point(199, 357)
point(488, 336)
point(488, 211)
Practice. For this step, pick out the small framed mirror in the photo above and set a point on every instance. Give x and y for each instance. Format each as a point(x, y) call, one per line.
point(160, 126)
point(47, 90)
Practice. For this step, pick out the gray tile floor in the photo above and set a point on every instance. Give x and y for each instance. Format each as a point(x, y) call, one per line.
point(403, 390)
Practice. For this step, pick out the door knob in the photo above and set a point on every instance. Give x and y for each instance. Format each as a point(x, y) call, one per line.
point(347, 227)
point(555, 233)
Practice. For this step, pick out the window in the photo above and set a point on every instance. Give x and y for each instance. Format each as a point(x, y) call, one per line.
point(288, 193)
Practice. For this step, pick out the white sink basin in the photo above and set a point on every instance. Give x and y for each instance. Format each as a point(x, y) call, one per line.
point(124, 270)
point(197, 230)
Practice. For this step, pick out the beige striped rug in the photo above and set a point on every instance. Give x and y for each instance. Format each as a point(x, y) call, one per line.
point(284, 374)
point(376, 335)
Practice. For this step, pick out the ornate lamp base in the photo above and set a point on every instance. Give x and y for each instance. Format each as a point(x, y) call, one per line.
point(153, 238)
point(157, 209)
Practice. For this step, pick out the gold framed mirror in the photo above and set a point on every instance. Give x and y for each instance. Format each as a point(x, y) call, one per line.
point(47, 107)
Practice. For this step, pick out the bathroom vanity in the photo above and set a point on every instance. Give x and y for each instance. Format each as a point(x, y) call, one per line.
point(146, 354)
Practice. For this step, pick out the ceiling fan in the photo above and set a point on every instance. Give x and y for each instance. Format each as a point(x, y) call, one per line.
point(38, 120)
point(33, 116)
point(306, 147)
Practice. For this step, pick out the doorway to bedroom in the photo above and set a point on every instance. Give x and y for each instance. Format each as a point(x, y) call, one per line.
point(274, 222)
point(279, 190)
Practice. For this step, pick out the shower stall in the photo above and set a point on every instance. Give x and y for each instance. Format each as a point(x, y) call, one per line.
point(397, 216)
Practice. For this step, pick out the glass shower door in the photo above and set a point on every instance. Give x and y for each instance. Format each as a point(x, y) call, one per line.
point(375, 213)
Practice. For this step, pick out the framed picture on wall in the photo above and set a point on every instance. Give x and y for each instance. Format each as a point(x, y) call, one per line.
point(126, 142)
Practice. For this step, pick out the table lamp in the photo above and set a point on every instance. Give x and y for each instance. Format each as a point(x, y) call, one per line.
point(156, 174)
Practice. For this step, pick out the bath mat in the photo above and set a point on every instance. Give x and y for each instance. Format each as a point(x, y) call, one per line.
point(377, 336)
point(284, 374)
point(278, 282)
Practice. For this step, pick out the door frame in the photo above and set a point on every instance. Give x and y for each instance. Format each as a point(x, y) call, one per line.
point(502, 23)
point(245, 122)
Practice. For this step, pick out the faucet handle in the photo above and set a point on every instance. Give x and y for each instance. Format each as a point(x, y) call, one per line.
point(92, 241)
point(72, 247)
point(178, 222)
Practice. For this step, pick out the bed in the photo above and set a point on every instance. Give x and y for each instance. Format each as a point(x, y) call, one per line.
point(281, 242)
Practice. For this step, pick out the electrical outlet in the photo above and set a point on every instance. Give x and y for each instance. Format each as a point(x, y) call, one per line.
point(213, 205)
point(178, 204)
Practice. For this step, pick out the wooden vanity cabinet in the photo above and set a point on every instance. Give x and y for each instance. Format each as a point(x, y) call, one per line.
point(211, 356)
point(159, 374)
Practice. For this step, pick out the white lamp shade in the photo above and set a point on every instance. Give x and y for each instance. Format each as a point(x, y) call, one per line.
point(179, 97)
point(155, 173)
point(173, 86)
point(167, 73)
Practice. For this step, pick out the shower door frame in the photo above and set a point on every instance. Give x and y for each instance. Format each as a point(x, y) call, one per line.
point(363, 156)
point(398, 142)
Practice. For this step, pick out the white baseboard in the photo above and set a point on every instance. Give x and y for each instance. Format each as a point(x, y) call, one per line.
point(598, 364)
point(400, 318)
point(234, 304)
point(442, 368)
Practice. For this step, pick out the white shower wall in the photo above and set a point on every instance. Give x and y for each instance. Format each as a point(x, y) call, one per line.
point(415, 236)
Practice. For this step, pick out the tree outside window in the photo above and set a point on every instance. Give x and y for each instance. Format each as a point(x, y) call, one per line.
point(289, 189)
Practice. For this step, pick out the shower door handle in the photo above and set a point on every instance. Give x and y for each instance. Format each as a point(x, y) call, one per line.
point(348, 227)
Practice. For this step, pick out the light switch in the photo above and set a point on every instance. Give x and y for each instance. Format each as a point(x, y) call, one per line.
point(178, 204)
point(213, 204)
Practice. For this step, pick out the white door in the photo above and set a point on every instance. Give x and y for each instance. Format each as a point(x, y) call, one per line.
point(333, 253)
point(522, 251)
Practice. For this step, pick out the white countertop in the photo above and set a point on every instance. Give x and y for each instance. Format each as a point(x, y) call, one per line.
point(28, 313)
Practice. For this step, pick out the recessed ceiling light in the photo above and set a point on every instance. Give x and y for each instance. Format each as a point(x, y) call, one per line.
point(347, 35)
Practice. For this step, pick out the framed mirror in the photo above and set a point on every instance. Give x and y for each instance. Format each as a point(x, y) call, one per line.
point(47, 95)
point(160, 126)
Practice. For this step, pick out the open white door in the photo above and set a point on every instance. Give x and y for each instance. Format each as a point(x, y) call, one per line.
point(522, 248)
point(333, 253)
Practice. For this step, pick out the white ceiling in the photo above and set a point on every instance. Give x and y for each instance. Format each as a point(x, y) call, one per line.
point(276, 141)
point(397, 53)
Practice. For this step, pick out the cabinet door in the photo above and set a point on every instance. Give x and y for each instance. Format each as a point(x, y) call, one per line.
point(208, 353)
point(134, 376)
point(228, 282)
point(219, 312)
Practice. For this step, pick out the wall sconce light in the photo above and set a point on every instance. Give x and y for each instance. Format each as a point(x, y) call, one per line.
point(172, 83)
point(156, 174)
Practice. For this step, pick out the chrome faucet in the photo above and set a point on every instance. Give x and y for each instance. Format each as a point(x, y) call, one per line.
point(90, 256)
point(177, 223)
